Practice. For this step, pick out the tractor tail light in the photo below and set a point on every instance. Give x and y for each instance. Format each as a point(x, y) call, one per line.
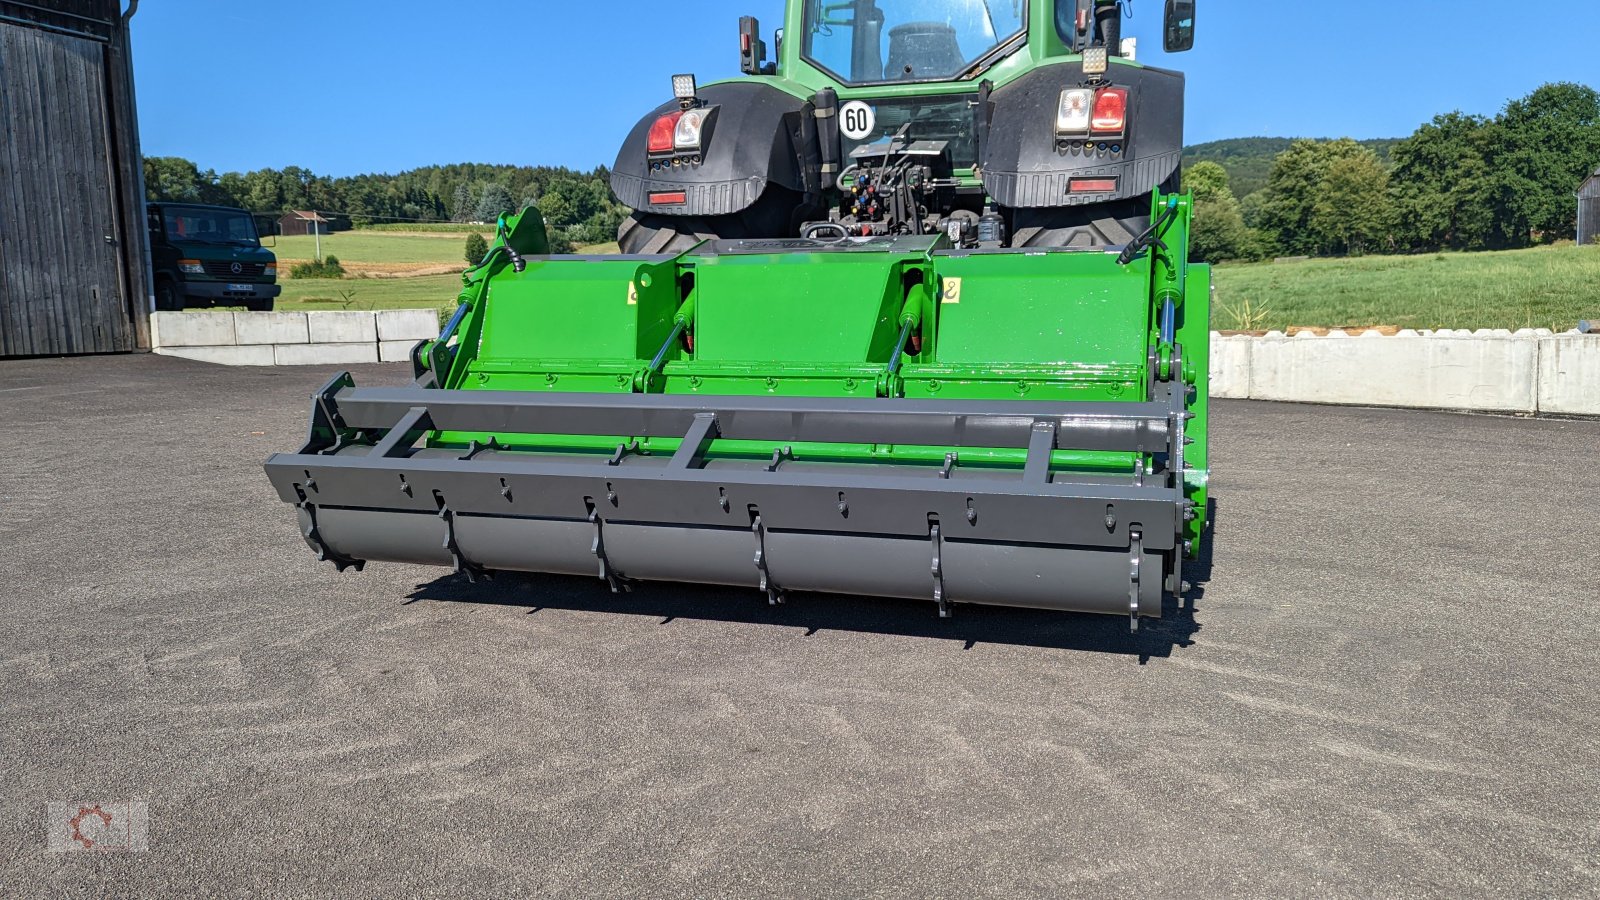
point(1110, 111)
point(661, 133)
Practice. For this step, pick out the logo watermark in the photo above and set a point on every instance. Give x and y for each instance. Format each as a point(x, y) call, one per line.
point(90, 827)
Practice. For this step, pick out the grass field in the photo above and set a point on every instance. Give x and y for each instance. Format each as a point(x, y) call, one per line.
point(372, 252)
point(370, 293)
point(1547, 287)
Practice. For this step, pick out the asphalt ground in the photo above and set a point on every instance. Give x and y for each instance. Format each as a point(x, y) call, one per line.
point(1387, 686)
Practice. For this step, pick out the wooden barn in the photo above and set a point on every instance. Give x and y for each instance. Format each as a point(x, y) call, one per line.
point(299, 221)
point(73, 276)
point(1589, 210)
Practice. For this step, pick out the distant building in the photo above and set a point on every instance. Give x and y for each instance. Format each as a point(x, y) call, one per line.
point(1589, 210)
point(299, 221)
point(75, 279)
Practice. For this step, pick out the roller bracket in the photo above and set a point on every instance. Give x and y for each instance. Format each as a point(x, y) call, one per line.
point(313, 536)
point(937, 540)
point(775, 595)
point(616, 582)
point(463, 565)
point(1135, 564)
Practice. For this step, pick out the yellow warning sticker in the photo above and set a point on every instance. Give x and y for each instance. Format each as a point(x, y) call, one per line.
point(952, 290)
point(633, 294)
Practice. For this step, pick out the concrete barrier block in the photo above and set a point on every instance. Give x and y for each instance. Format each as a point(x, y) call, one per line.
point(222, 356)
point(395, 351)
point(192, 329)
point(1230, 366)
point(342, 327)
point(1569, 375)
point(270, 327)
point(408, 325)
point(324, 354)
point(1487, 374)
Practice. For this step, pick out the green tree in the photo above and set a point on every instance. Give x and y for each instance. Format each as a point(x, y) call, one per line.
point(557, 209)
point(1550, 140)
point(1218, 232)
point(263, 191)
point(1353, 213)
point(172, 179)
point(462, 208)
point(1443, 184)
point(494, 200)
point(1293, 188)
point(477, 248)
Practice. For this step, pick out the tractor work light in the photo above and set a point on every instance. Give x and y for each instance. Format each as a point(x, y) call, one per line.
point(1110, 112)
point(1096, 61)
point(690, 129)
point(1072, 116)
point(662, 133)
point(684, 88)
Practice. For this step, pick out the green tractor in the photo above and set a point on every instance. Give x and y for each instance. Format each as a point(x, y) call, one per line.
point(1003, 123)
point(909, 314)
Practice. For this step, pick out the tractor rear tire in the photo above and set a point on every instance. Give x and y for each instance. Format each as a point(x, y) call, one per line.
point(1082, 227)
point(647, 233)
point(777, 214)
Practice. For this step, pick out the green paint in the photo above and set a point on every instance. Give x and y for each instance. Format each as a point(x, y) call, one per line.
point(1021, 326)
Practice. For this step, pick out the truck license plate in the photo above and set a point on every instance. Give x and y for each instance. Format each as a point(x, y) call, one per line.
point(242, 288)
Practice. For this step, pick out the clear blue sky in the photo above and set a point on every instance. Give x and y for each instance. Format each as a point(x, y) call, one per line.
point(343, 87)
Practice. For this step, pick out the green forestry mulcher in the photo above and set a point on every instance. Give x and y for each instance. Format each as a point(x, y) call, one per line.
point(907, 313)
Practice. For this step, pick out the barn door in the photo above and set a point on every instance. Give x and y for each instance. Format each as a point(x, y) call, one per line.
point(60, 278)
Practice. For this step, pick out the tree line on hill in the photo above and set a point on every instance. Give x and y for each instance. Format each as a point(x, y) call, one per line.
point(1460, 182)
point(577, 204)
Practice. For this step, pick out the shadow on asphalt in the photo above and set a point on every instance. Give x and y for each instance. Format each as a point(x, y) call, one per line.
point(971, 625)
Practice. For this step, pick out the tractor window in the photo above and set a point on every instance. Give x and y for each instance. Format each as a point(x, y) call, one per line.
point(878, 41)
